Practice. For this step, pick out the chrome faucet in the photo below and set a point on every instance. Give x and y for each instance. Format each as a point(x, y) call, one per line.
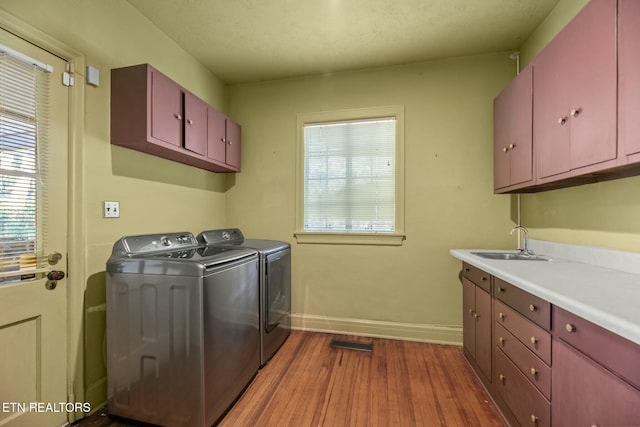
point(525, 248)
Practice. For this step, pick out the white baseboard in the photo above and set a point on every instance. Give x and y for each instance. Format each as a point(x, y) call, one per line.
point(437, 334)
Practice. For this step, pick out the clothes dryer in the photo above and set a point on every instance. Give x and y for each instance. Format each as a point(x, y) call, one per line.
point(275, 284)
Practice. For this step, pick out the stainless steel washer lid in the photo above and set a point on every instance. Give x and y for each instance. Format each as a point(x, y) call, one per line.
point(172, 254)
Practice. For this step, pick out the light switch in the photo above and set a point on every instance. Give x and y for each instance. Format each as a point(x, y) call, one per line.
point(93, 76)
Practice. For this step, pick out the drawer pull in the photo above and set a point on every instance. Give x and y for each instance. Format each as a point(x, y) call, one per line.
point(532, 307)
point(533, 340)
point(570, 328)
point(502, 340)
point(467, 269)
point(534, 372)
point(534, 419)
point(502, 377)
point(500, 290)
point(483, 278)
point(501, 316)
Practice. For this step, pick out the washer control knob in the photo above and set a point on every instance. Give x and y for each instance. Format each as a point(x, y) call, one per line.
point(165, 241)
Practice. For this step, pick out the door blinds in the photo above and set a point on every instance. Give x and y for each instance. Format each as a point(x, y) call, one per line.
point(24, 89)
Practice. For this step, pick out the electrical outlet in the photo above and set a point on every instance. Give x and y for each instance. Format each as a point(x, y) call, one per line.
point(111, 209)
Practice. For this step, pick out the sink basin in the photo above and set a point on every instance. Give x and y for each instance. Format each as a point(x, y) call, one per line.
point(516, 256)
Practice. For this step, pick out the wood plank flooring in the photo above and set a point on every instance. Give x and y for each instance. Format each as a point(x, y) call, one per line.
point(399, 383)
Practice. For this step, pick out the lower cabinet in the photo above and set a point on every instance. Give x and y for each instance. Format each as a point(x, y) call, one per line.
point(476, 325)
point(588, 394)
point(546, 366)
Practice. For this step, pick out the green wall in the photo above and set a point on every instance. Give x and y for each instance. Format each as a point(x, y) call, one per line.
point(155, 195)
point(603, 214)
point(409, 291)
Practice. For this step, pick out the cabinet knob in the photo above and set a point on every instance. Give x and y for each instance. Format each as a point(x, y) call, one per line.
point(534, 419)
point(501, 315)
point(471, 311)
point(223, 140)
point(230, 142)
point(178, 116)
point(476, 315)
point(190, 121)
point(512, 146)
point(501, 341)
point(505, 149)
point(576, 112)
point(502, 377)
point(533, 340)
point(534, 372)
point(483, 278)
point(532, 307)
point(569, 327)
point(500, 289)
point(562, 121)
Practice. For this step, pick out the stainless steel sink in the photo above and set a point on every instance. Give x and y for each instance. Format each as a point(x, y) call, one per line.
point(516, 256)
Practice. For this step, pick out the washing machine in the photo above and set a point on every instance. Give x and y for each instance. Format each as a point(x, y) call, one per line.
point(275, 284)
point(183, 334)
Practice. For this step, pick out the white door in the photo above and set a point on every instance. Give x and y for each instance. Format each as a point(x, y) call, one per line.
point(33, 318)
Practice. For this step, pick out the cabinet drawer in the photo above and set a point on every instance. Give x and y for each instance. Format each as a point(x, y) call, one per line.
point(534, 337)
point(530, 306)
point(525, 402)
point(477, 276)
point(536, 371)
point(612, 351)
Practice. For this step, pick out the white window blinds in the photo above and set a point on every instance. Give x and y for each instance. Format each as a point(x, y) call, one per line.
point(349, 176)
point(23, 131)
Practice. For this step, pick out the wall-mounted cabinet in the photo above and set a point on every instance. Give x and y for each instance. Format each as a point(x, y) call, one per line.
point(153, 114)
point(223, 139)
point(512, 134)
point(586, 102)
point(575, 93)
point(629, 78)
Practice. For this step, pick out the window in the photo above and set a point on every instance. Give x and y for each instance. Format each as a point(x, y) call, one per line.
point(23, 125)
point(350, 176)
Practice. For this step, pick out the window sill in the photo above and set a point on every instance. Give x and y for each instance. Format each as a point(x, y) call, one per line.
point(377, 239)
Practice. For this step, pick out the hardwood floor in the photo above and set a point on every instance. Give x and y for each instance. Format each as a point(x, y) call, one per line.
point(399, 383)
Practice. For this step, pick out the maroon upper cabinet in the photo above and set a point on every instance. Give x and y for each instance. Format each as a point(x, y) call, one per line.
point(166, 109)
point(195, 124)
point(575, 94)
point(512, 139)
point(223, 140)
point(629, 76)
point(153, 114)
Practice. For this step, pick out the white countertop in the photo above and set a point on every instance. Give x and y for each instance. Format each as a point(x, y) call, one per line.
point(605, 296)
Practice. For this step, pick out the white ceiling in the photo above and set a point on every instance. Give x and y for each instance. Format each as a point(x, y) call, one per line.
point(251, 40)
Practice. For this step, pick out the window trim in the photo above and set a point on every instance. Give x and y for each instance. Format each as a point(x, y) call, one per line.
point(375, 238)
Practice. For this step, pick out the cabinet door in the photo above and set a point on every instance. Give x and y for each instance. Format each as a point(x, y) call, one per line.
point(550, 110)
point(468, 320)
point(575, 93)
point(629, 75)
point(216, 140)
point(195, 124)
point(483, 331)
point(590, 395)
point(521, 153)
point(513, 132)
point(166, 109)
point(233, 144)
point(502, 129)
point(593, 83)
